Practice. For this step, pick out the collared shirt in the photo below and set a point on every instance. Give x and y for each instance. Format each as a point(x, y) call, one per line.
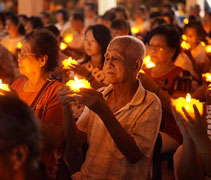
point(141, 118)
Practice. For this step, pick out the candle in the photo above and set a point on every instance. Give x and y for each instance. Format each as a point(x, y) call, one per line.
point(68, 62)
point(4, 87)
point(142, 71)
point(185, 45)
point(207, 77)
point(186, 21)
point(203, 43)
point(187, 103)
point(76, 84)
point(68, 38)
point(19, 45)
point(63, 46)
point(148, 63)
point(184, 37)
point(208, 48)
point(134, 30)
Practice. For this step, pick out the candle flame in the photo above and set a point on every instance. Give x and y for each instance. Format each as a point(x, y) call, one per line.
point(203, 44)
point(19, 45)
point(184, 37)
point(185, 45)
point(63, 46)
point(134, 30)
point(76, 84)
point(186, 21)
point(188, 97)
point(208, 48)
point(4, 87)
point(68, 38)
point(148, 63)
point(142, 71)
point(68, 62)
point(207, 77)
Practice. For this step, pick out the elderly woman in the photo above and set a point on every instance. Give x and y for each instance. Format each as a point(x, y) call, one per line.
point(37, 59)
point(119, 124)
point(166, 78)
point(19, 141)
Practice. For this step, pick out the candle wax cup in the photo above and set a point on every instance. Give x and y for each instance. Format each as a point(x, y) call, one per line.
point(4, 87)
point(76, 84)
point(182, 102)
point(68, 62)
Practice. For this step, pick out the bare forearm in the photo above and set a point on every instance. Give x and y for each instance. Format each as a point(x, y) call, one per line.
point(189, 163)
point(74, 137)
point(124, 141)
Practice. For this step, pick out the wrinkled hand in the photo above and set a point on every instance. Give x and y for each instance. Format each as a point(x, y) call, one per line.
point(92, 99)
point(148, 82)
point(79, 69)
point(66, 95)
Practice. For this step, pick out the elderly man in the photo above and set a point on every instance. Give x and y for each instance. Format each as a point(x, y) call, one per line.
point(120, 124)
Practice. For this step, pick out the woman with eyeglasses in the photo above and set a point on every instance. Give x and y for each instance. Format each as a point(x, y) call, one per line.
point(37, 59)
point(166, 79)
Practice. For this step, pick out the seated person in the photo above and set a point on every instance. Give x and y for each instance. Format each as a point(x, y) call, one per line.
point(120, 125)
point(19, 141)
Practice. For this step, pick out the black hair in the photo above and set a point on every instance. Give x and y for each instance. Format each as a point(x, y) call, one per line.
point(53, 29)
point(103, 37)
point(78, 16)
point(36, 22)
point(170, 16)
point(109, 15)
point(171, 35)
point(197, 25)
point(46, 14)
point(155, 14)
point(24, 17)
point(91, 5)
point(2, 18)
point(18, 126)
point(64, 14)
point(159, 21)
point(121, 10)
point(43, 42)
point(15, 20)
point(120, 24)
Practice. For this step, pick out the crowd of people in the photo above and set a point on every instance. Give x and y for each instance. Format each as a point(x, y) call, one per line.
point(111, 130)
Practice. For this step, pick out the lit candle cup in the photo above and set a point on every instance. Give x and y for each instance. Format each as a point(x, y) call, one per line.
point(68, 38)
point(207, 77)
point(208, 48)
point(148, 63)
point(187, 103)
point(134, 30)
point(19, 45)
point(184, 37)
point(76, 84)
point(186, 21)
point(4, 87)
point(185, 45)
point(63, 46)
point(68, 62)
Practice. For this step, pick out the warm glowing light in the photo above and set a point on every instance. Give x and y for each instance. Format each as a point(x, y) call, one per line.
point(142, 71)
point(208, 48)
point(134, 30)
point(63, 46)
point(4, 87)
point(76, 84)
point(68, 38)
point(203, 44)
point(148, 63)
point(184, 37)
point(19, 45)
point(185, 45)
point(187, 103)
point(68, 62)
point(207, 77)
point(186, 21)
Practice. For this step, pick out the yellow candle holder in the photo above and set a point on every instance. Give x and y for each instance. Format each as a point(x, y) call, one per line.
point(186, 21)
point(134, 30)
point(187, 103)
point(185, 45)
point(207, 77)
point(148, 63)
point(19, 45)
point(208, 48)
point(68, 38)
point(62, 46)
point(4, 87)
point(76, 84)
point(68, 62)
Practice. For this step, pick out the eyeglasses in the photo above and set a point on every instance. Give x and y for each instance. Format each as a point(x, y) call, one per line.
point(22, 55)
point(156, 47)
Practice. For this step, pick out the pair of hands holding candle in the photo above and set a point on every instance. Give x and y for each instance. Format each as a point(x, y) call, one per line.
point(91, 98)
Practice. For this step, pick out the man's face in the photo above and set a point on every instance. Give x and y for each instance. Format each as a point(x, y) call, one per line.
point(117, 68)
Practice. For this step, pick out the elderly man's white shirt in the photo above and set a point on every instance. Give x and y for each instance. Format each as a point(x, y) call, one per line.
point(141, 119)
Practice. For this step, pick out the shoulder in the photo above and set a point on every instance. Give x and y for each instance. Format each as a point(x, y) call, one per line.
point(18, 82)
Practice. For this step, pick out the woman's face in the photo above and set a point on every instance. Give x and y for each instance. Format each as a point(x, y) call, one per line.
point(27, 62)
point(192, 37)
point(11, 27)
point(91, 46)
point(159, 51)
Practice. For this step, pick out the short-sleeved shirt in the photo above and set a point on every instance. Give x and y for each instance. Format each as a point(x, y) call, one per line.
point(141, 118)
